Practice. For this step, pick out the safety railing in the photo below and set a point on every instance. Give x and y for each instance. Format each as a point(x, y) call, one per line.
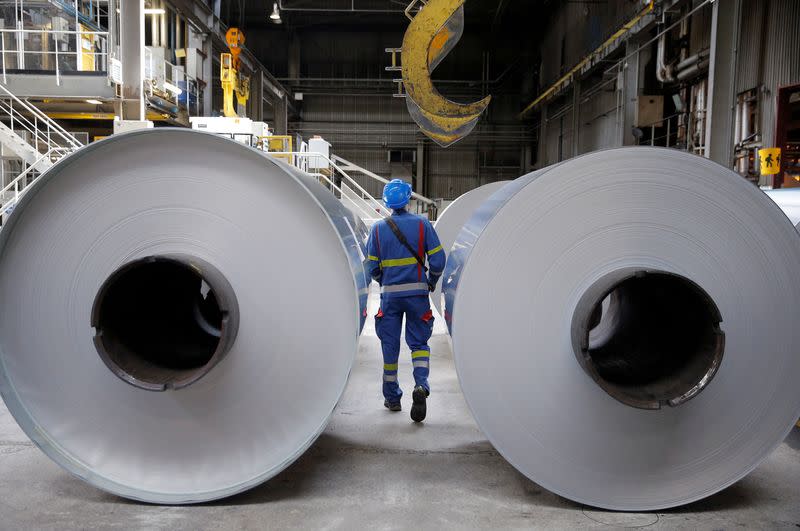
point(44, 133)
point(365, 204)
point(52, 51)
point(349, 166)
point(11, 193)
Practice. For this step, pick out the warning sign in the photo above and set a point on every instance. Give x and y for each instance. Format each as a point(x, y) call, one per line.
point(770, 161)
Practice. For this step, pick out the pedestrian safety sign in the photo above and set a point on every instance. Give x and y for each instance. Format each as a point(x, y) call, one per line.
point(770, 161)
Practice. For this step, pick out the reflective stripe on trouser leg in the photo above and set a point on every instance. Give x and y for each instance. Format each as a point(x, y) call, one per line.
point(421, 362)
point(389, 328)
point(419, 327)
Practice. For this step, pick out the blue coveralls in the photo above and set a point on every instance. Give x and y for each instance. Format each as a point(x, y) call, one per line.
point(404, 292)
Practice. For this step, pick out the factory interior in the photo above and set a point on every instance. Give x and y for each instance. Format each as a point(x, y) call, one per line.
point(591, 277)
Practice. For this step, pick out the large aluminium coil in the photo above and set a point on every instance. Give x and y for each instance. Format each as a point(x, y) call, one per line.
point(789, 201)
point(694, 381)
point(452, 219)
point(181, 313)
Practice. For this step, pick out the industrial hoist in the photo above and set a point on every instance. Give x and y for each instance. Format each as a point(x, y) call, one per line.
point(234, 82)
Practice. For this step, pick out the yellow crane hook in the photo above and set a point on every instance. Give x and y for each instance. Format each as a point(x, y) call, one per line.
point(430, 36)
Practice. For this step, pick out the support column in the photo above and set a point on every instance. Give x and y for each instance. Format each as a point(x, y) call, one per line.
point(725, 25)
point(631, 78)
point(111, 43)
point(132, 57)
point(541, 161)
point(576, 117)
point(421, 184)
point(281, 107)
point(256, 101)
point(208, 76)
point(525, 163)
point(294, 55)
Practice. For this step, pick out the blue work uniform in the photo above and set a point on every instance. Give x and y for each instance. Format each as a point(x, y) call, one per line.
point(404, 292)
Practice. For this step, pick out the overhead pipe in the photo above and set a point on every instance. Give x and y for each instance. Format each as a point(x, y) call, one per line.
point(691, 60)
point(693, 71)
point(663, 70)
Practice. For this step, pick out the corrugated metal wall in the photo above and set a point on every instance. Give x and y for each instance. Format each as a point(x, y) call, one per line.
point(781, 64)
point(580, 27)
point(768, 57)
point(598, 121)
point(748, 73)
point(699, 34)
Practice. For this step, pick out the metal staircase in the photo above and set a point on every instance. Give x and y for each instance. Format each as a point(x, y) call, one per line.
point(424, 204)
point(37, 141)
point(338, 179)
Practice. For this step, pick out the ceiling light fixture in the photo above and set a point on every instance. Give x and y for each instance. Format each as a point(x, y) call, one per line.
point(94, 102)
point(154, 11)
point(275, 16)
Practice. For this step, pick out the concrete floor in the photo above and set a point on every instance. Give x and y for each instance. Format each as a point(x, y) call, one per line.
point(372, 469)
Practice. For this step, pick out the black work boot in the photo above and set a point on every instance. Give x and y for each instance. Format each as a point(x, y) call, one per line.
point(419, 409)
point(392, 406)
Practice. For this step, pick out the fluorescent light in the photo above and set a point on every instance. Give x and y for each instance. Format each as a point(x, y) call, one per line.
point(94, 102)
point(172, 88)
point(154, 11)
point(275, 16)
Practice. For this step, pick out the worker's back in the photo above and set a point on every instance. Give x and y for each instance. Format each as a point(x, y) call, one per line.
point(394, 266)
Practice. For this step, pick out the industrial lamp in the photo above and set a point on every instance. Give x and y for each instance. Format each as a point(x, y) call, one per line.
point(275, 16)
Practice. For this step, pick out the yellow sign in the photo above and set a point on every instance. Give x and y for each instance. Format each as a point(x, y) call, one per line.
point(770, 161)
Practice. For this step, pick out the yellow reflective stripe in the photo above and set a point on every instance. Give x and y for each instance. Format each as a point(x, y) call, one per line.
point(373, 258)
point(434, 251)
point(420, 354)
point(399, 262)
point(390, 366)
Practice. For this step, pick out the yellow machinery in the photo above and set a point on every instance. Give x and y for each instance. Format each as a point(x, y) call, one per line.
point(233, 81)
point(281, 145)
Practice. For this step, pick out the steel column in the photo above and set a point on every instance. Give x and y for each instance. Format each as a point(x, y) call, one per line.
point(725, 25)
point(132, 57)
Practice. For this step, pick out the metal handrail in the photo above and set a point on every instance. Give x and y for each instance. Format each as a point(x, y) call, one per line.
point(39, 115)
point(380, 207)
point(380, 179)
point(19, 33)
point(368, 213)
point(14, 185)
point(19, 118)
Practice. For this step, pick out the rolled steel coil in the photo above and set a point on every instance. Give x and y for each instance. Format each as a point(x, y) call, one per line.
point(689, 379)
point(186, 311)
point(452, 219)
point(788, 199)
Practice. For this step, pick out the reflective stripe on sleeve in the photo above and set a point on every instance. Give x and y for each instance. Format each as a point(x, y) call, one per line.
point(373, 258)
point(404, 287)
point(434, 250)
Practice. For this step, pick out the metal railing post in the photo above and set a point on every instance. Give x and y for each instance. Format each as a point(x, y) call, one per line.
point(58, 68)
point(4, 58)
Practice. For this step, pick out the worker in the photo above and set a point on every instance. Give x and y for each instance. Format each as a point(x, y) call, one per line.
point(398, 249)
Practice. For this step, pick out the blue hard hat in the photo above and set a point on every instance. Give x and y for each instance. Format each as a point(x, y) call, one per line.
point(396, 193)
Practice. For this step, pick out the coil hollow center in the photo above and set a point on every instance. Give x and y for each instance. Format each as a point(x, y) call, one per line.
point(164, 322)
point(648, 338)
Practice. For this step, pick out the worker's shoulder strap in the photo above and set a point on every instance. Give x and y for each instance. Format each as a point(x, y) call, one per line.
point(403, 240)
